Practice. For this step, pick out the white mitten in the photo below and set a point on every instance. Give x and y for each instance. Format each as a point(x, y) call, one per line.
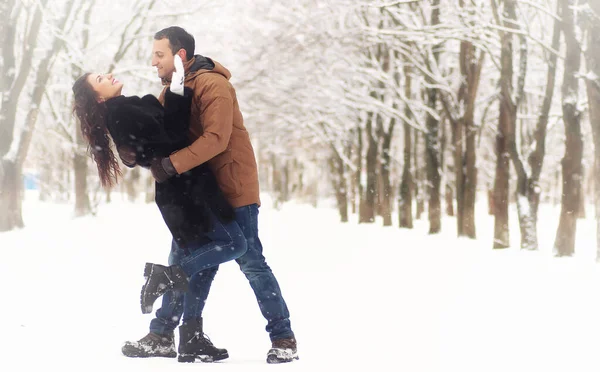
point(178, 76)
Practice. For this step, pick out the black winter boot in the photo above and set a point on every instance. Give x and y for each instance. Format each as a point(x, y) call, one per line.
point(160, 279)
point(151, 345)
point(194, 344)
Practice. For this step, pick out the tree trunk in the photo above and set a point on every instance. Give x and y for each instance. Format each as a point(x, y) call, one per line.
point(386, 163)
point(459, 174)
point(433, 168)
point(527, 224)
point(473, 69)
point(10, 169)
point(490, 198)
point(285, 185)
point(536, 158)
point(358, 177)
point(581, 208)
point(368, 215)
point(470, 186)
point(276, 181)
point(465, 132)
point(418, 185)
point(12, 87)
point(82, 200)
point(505, 126)
point(564, 244)
point(354, 178)
point(42, 76)
point(432, 144)
point(150, 189)
point(130, 181)
point(593, 93)
point(444, 170)
point(406, 185)
point(10, 196)
point(449, 200)
point(348, 150)
point(80, 160)
point(338, 180)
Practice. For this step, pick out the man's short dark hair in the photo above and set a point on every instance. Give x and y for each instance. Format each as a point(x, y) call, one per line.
point(178, 39)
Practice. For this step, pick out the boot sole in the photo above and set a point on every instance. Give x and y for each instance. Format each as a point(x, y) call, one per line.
point(141, 355)
point(202, 358)
point(273, 359)
point(276, 358)
point(146, 309)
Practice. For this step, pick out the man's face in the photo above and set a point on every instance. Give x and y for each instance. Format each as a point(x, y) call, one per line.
point(162, 58)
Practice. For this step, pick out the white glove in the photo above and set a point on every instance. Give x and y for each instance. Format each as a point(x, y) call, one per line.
point(178, 76)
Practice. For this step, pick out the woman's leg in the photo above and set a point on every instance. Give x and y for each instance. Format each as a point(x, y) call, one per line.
point(226, 242)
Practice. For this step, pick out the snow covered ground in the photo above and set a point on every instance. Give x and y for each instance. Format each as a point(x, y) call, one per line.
point(362, 297)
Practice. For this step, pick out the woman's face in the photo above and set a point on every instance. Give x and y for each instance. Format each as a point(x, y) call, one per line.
point(105, 86)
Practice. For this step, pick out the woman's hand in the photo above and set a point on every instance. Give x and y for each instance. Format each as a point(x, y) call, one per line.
point(127, 155)
point(178, 76)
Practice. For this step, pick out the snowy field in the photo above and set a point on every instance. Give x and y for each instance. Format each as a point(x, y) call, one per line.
point(361, 297)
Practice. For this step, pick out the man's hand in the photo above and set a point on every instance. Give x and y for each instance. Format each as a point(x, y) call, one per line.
point(162, 169)
point(178, 76)
point(127, 155)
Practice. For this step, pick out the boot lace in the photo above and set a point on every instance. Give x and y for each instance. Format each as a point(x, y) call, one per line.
point(203, 337)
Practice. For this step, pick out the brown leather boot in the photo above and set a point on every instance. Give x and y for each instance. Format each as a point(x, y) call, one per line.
point(282, 351)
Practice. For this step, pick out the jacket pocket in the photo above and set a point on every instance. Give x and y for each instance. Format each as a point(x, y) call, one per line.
point(227, 177)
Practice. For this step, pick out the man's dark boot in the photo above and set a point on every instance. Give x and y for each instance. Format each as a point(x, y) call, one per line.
point(151, 345)
point(160, 279)
point(194, 344)
point(282, 351)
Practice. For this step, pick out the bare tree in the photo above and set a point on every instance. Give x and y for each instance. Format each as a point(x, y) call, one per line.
point(80, 160)
point(506, 123)
point(12, 86)
point(528, 187)
point(564, 244)
point(471, 60)
point(593, 91)
point(405, 196)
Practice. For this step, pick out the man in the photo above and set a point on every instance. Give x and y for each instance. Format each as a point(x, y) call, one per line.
point(221, 140)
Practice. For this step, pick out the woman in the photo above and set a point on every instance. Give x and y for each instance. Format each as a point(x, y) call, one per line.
point(192, 205)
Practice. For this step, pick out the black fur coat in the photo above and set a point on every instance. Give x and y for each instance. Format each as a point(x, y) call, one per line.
point(154, 131)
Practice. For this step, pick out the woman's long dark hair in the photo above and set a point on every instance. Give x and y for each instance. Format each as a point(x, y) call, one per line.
point(91, 114)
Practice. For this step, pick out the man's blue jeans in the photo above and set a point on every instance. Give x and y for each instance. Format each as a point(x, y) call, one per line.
point(253, 265)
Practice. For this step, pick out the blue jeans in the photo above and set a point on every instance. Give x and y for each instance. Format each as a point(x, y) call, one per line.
point(253, 265)
point(223, 243)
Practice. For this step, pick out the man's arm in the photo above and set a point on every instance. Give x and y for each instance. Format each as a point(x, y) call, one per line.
point(216, 107)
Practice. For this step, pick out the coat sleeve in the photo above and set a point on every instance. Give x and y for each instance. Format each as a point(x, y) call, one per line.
point(151, 130)
point(158, 125)
point(138, 122)
point(216, 114)
point(177, 112)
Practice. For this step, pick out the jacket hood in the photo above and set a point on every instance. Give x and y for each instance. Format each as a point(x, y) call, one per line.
point(200, 65)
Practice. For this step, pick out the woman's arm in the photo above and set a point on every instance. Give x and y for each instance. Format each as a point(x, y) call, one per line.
point(144, 125)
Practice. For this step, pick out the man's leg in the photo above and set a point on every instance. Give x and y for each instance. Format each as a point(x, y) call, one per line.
point(266, 289)
point(195, 298)
point(226, 242)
